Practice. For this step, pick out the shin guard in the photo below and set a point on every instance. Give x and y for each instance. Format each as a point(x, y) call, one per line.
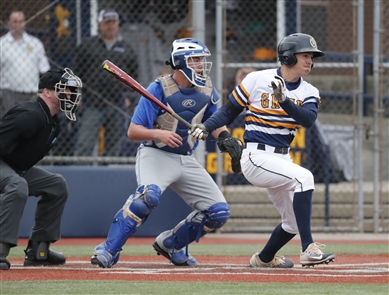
point(196, 225)
point(134, 212)
point(107, 254)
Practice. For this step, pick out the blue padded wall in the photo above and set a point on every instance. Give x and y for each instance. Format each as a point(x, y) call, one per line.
point(95, 195)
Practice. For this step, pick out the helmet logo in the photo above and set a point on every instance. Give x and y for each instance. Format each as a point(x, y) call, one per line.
point(188, 103)
point(313, 42)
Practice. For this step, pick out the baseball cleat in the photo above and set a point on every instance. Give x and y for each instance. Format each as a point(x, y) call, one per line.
point(103, 258)
point(4, 263)
point(277, 262)
point(38, 254)
point(314, 255)
point(177, 258)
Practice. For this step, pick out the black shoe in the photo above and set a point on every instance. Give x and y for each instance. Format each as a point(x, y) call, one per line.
point(4, 263)
point(38, 254)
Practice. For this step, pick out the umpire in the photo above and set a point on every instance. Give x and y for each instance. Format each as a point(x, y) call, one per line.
point(28, 132)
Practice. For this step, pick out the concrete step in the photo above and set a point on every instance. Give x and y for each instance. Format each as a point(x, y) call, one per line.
point(334, 198)
point(243, 225)
point(252, 211)
point(342, 193)
point(318, 211)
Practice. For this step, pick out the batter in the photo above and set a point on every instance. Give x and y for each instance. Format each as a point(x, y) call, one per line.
point(277, 103)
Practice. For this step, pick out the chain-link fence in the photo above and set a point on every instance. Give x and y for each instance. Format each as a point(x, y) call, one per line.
point(250, 33)
point(342, 148)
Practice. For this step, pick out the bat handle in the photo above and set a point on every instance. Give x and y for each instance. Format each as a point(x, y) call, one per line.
point(186, 123)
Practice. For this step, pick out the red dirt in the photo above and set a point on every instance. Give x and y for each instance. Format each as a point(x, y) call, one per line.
point(346, 268)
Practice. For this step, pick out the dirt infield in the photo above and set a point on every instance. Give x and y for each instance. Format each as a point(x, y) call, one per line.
point(346, 268)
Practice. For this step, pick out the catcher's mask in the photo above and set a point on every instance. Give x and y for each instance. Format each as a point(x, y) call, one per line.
point(296, 43)
point(189, 55)
point(67, 88)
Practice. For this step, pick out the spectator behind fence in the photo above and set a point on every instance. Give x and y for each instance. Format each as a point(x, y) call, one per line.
point(23, 59)
point(103, 96)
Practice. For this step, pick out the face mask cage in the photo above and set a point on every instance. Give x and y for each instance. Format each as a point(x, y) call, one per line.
point(68, 92)
point(197, 69)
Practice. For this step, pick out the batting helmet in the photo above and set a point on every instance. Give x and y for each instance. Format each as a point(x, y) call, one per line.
point(296, 43)
point(180, 54)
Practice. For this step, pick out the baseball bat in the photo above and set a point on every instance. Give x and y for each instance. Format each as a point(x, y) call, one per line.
point(126, 79)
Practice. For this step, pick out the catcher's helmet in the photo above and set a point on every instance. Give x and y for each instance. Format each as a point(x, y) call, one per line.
point(296, 43)
point(181, 53)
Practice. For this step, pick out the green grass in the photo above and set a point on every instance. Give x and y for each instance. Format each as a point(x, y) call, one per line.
point(188, 288)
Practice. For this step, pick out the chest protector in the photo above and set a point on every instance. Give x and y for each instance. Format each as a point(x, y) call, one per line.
point(190, 104)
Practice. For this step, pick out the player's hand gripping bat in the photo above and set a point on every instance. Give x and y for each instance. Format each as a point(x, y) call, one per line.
point(126, 79)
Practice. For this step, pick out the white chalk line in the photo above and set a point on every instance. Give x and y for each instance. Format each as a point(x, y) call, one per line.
point(363, 270)
point(261, 274)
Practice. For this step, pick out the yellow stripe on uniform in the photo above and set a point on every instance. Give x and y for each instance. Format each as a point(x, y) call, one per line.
point(279, 112)
point(271, 123)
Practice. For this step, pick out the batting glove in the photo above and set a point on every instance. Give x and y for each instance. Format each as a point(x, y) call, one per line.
point(198, 131)
point(280, 89)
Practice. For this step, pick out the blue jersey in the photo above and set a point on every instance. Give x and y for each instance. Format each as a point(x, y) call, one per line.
point(195, 105)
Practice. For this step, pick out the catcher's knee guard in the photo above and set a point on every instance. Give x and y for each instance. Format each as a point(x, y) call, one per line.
point(134, 212)
point(196, 225)
point(139, 205)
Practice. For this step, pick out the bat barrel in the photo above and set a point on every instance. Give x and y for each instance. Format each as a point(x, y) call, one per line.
point(130, 82)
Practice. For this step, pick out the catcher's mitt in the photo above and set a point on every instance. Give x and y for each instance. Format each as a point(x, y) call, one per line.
point(234, 147)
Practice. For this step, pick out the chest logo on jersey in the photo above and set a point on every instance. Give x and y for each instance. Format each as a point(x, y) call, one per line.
point(188, 103)
point(119, 49)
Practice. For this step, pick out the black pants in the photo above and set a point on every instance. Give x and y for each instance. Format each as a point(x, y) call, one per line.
point(52, 190)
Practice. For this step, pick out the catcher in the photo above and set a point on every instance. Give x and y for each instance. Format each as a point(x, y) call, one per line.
point(165, 159)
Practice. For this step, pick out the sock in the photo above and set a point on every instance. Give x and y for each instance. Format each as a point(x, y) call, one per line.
point(302, 206)
point(277, 240)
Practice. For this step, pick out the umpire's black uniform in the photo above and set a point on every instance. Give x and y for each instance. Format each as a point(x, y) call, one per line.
point(28, 131)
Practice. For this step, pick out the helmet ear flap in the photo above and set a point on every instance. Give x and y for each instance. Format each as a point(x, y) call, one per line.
point(285, 52)
point(178, 64)
point(288, 60)
point(170, 63)
point(174, 67)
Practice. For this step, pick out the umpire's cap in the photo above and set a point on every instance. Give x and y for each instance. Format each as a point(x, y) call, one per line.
point(50, 78)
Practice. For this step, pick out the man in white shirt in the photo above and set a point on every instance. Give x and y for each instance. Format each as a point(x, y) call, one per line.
point(23, 59)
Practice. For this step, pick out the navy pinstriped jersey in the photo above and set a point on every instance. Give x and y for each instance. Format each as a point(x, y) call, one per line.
point(266, 121)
